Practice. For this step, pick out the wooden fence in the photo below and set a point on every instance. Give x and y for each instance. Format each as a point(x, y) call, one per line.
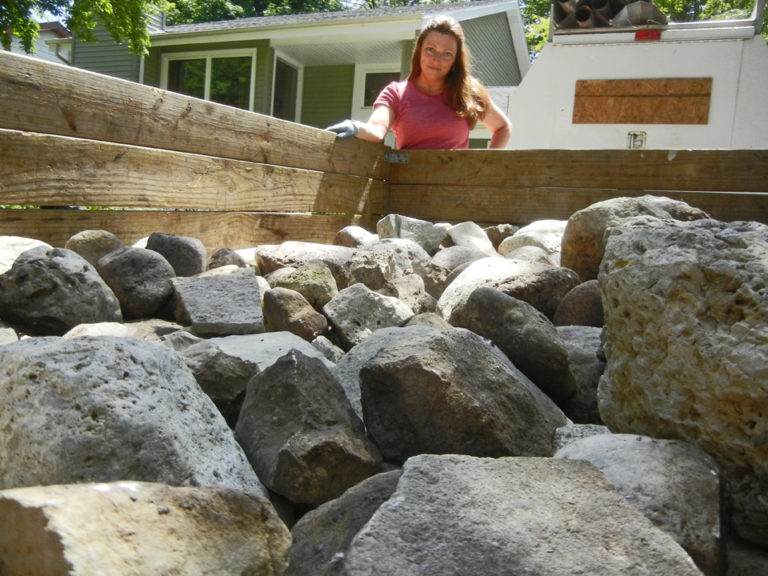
point(144, 160)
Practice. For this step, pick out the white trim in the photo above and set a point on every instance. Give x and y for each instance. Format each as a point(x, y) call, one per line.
point(208, 56)
point(360, 112)
point(276, 54)
point(517, 31)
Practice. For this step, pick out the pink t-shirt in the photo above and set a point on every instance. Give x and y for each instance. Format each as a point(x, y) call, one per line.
point(421, 120)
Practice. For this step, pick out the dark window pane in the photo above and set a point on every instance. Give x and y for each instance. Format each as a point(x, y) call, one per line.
point(231, 81)
point(187, 77)
point(286, 86)
point(375, 83)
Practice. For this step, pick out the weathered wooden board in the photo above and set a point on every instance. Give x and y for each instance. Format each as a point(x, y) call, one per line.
point(214, 229)
point(642, 101)
point(43, 96)
point(525, 205)
point(694, 170)
point(37, 169)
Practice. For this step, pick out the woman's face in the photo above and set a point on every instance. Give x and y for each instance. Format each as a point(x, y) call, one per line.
point(438, 53)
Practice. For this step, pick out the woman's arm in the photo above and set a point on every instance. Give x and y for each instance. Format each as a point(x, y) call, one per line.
point(497, 122)
point(377, 126)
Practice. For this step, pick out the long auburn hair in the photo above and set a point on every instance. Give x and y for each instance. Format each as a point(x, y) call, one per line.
point(464, 91)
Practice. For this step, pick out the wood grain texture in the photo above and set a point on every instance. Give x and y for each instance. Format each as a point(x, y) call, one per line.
point(38, 169)
point(214, 229)
point(41, 96)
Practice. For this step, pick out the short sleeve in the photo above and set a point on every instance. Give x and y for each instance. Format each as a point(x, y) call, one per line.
point(389, 96)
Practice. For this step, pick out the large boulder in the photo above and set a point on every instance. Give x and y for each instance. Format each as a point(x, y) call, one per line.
point(106, 409)
point(300, 432)
point(139, 528)
point(457, 514)
point(449, 391)
point(674, 484)
point(686, 346)
point(48, 291)
point(583, 244)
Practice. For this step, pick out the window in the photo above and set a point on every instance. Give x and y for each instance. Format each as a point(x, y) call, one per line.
point(375, 83)
point(226, 77)
point(285, 91)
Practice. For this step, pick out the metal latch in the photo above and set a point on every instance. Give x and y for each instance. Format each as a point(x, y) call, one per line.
point(396, 157)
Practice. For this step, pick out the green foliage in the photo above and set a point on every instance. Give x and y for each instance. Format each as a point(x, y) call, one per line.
point(126, 20)
point(192, 11)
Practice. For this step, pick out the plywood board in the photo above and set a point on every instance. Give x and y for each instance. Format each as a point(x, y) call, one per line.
point(642, 101)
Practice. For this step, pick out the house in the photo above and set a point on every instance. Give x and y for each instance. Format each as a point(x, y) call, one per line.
point(316, 69)
point(54, 43)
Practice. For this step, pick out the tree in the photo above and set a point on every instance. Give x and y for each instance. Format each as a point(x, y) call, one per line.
point(191, 11)
point(126, 20)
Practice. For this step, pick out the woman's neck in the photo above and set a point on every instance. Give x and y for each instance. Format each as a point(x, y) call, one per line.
point(431, 87)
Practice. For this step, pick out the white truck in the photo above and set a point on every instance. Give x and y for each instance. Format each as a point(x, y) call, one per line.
point(646, 85)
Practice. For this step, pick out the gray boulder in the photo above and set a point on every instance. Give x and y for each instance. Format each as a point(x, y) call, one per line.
point(48, 291)
point(583, 244)
point(544, 234)
point(357, 312)
point(472, 236)
point(313, 280)
point(449, 391)
point(586, 363)
point(674, 484)
point(140, 278)
point(424, 233)
point(457, 514)
point(288, 310)
point(321, 537)
point(581, 306)
point(186, 255)
point(219, 304)
point(406, 253)
point(524, 334)
point(686, 346)
point(300, 432)
point(107, 409)
point(225, 257)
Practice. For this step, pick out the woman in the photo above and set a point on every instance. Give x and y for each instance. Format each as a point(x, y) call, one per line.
point(439, 103)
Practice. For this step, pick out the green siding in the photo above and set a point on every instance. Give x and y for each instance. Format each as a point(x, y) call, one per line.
point(327, 94)
point(493, 56)
point(105, 56)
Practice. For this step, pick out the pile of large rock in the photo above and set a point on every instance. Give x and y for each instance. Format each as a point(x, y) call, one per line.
point(580, 397)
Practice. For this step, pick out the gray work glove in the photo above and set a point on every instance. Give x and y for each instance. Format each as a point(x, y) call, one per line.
point(344, 130)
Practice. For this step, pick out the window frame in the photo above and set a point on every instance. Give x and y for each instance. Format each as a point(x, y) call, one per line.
point(278, 55)
point(209, 56)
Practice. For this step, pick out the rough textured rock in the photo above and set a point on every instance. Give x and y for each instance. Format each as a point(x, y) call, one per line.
point(497, 233)
point(300, 432)
point(374, 269)
point(347, 369)
point(93, 244)
point(140, 278)
point(586, 363)
point(410, 290)
point(572, 432)
point(263, 350)
point(47, 291)
point(313, 280)
point(142, 528)
point(322, 536)
point(186, 255)
point(454, 256)
point(354, 237)
point(219, 304)
point(582, 306)
point(676, 486)
point(534, 254)
point(449, 391)
point(425, 234)
point(107, 409)
point(270, 257)
point(11, 247)
point(686, 345)
point(357, 312)
point(462, 515)
point(406, 253)
point(544, 290)
point(583, 244)
point(150, 330)
point(287, 310)
point(524, 334)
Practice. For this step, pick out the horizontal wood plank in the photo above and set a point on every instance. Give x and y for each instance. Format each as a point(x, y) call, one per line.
point(620, 170)
point(43, 96)
point(215, 230)
point(43, 170)
point(524, 205)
